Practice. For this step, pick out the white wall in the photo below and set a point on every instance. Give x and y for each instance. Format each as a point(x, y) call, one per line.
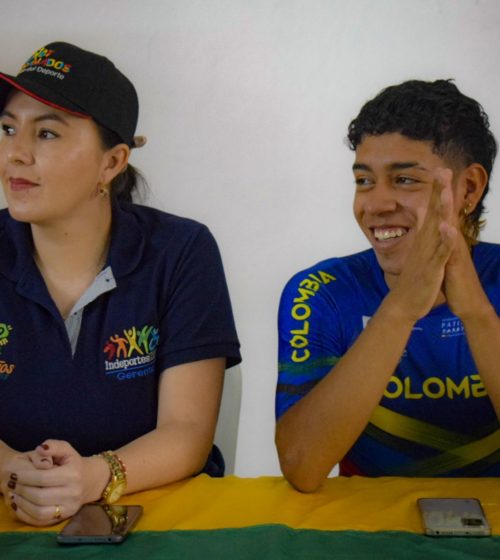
point(246, 104)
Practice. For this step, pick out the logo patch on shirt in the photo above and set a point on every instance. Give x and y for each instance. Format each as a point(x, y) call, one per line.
point(132, 353)
point(451, 327)
point(5, 368)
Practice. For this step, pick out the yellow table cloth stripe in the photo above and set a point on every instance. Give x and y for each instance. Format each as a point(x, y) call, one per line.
point(357, 503)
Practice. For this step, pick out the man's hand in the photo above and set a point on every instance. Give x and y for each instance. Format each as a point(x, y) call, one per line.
point(419, 286)
point(462, 287)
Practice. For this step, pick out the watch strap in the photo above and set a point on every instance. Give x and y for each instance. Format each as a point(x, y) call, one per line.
point(118, 476)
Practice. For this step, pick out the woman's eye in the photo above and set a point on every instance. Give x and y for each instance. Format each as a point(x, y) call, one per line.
point(47, 134)
point(7, 130)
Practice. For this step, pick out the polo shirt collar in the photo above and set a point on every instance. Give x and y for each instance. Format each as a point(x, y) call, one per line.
point(127, 240)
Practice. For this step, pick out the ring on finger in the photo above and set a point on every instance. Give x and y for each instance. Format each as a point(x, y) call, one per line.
point(57, 512)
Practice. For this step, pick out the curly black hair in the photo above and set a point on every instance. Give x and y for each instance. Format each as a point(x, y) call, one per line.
point(437, 112)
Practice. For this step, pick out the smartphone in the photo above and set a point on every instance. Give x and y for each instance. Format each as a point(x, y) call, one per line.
point(100, 523)
point(445, 517)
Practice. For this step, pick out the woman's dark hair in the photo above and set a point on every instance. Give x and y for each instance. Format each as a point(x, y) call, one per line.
point(437, 112)
point(128, 184)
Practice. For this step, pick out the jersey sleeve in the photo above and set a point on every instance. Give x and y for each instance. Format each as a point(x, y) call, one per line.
point(197, 322)
point(310, 335)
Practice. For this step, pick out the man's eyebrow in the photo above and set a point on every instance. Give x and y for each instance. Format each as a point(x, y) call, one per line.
point(44, 117)
point(361, 167)
point(396, 166)
point(406, 165)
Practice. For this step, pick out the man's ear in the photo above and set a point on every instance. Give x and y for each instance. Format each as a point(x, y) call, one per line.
point(115, 161)
point(474, 179)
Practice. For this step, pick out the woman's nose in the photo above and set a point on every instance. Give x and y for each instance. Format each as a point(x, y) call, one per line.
point(18, 150)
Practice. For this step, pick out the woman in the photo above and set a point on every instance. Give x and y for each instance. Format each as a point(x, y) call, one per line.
point(115, 321)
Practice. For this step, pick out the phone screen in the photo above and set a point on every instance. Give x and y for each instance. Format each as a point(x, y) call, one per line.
point(445, 517)
point(100, 523)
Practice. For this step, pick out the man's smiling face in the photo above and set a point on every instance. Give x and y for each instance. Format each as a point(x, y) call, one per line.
point(394, 176)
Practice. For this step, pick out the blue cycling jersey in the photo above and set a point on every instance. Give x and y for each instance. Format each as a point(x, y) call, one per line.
point(435, 417)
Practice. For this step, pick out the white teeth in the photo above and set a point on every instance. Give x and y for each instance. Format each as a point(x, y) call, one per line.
point(383, 234)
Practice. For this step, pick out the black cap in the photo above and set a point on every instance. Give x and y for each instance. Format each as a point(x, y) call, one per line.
point(78, 82)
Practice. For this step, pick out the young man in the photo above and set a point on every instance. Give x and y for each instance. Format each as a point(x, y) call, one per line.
point(389, 358)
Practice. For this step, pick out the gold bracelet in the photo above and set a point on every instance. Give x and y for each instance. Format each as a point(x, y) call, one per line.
point(118, 477)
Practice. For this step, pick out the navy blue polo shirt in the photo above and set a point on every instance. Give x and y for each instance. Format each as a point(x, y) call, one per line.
point(170, 306)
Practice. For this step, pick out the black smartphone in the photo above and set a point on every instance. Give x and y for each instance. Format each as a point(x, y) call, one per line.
point(100, 523)
point(446, 517)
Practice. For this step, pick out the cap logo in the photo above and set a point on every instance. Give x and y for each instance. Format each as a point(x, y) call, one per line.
point(43, 61)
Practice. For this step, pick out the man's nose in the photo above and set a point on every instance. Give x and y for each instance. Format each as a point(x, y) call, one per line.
point(381, 199)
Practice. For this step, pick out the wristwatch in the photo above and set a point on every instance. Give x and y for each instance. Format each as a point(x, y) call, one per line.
point(118, 478)
point(118, 515)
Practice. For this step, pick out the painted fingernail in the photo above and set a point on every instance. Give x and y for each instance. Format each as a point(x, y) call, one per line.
point(45, 446)
point(13, 505)
point(13, 476)
point(11, 484)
